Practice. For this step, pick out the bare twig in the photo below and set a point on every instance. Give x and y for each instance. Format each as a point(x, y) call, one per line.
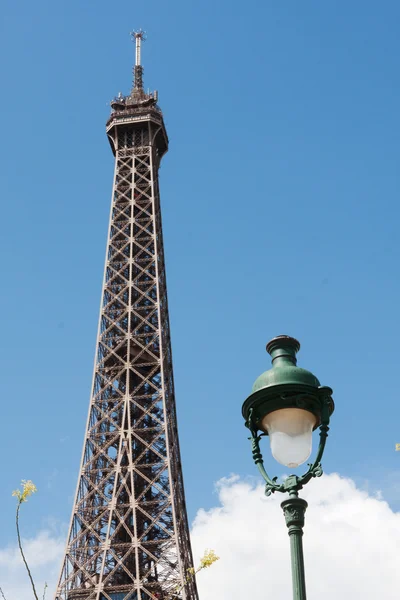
point(44, 591)
point(2, 594)
point(206, 561)
point(22, 552)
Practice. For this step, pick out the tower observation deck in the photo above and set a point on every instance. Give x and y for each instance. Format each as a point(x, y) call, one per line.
point(129, 534)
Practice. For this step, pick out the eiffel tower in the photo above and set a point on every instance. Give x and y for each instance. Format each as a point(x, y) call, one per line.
point(129, 534)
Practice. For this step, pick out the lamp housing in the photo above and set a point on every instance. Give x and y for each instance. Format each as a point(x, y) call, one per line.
point(287, 403)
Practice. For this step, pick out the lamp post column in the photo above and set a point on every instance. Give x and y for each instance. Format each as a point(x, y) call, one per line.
point(294, 509)
point(286, 404)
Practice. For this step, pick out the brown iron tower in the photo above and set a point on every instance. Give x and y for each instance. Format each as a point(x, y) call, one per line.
point(129, 534)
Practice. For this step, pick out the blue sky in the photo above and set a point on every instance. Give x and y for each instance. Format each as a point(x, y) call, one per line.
point(280, 197)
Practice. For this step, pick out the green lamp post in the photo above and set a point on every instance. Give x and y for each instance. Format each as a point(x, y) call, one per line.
point(287, 404)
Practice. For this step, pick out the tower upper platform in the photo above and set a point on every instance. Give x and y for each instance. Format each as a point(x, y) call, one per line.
point(138, 108)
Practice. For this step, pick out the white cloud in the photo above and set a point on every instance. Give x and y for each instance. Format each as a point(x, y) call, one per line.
point(43, 553)
point(351, 543)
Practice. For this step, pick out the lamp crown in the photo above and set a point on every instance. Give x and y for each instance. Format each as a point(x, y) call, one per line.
point(283, 347)
point(284, 372)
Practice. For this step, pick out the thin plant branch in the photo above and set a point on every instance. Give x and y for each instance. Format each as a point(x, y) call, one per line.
point(206, 561)
point(28, 488)
point(22, 552)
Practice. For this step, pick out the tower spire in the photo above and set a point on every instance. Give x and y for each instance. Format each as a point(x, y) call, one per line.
point(138, 36)
point(129, 534)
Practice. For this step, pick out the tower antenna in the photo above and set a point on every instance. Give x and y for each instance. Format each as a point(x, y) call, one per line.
point(138, 37)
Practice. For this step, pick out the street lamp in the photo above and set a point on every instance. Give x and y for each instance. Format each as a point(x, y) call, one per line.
point(287, 404)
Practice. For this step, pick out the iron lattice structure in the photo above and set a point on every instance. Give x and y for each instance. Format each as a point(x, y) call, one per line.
point(129, 535)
